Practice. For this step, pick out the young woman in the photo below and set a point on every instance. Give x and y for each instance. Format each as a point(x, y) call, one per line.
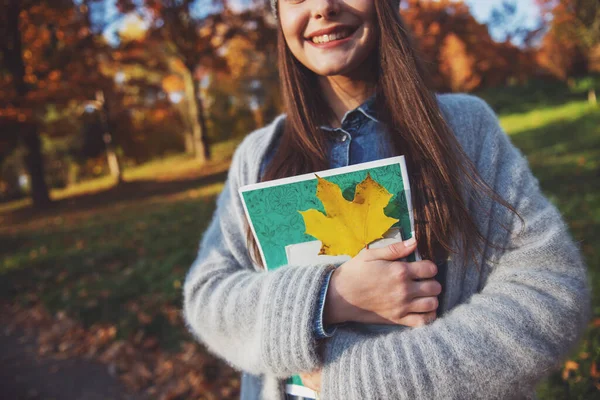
point(515, 295)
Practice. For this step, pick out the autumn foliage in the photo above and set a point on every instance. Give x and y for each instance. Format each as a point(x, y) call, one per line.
point(460, 50)
point(572, 43)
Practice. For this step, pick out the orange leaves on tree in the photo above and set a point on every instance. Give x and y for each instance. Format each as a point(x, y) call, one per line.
point(173, 83)
point(133, 28)
point(458, 65)
point(349, 226)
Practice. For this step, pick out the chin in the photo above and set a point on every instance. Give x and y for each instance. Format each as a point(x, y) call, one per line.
point(334, 72)
point(331, 70)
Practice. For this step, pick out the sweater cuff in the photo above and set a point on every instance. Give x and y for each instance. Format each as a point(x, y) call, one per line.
point(322, 332)
point(289, 343)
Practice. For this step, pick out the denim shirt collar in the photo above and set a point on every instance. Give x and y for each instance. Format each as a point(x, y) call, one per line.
point(367, 109)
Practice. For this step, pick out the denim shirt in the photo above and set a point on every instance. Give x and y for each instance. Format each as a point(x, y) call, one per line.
point(360, 138)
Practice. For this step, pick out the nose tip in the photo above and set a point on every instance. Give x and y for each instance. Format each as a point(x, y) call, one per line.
point(327, 9)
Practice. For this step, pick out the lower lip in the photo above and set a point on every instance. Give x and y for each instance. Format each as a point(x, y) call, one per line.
point(333, 43)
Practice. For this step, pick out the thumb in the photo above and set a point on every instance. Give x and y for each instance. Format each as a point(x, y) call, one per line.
point(392, 252)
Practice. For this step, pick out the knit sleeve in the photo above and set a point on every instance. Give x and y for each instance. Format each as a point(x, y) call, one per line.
point(260, 322)
point(529, 314)
point(322, 331)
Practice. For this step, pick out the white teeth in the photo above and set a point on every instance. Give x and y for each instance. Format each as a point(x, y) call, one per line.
point(329, 38)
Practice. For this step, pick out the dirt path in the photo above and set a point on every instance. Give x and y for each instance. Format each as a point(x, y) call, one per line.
point(25, 375)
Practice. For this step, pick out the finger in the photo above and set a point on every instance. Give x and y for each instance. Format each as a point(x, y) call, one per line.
point(423, 304)
point(311, 381)
point(417, 319)
point(421, 269)
point(392, 252)
point(426, 288)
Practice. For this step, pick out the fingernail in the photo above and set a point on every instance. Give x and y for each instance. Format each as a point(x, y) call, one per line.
point(410, 242)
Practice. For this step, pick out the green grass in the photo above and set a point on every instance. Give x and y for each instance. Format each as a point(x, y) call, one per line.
point(562, 145)
point(181, 164)
point(123, 261)
point(110, 266)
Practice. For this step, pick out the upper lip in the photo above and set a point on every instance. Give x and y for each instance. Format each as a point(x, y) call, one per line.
point(331, 29)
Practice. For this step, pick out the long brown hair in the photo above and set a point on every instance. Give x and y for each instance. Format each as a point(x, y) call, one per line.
point(439, 170)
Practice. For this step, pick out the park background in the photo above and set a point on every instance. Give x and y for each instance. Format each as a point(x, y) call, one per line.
point(118, 119)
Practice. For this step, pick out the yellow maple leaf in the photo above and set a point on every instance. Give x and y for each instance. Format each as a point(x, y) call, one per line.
point(348, 226)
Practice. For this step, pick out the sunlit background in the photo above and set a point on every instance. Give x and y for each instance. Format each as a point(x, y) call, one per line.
point(118, 120)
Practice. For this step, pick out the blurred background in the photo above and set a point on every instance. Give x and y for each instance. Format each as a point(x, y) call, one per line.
point(118, 120)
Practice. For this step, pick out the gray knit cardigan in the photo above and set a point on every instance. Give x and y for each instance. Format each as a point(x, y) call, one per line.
point(507, 321)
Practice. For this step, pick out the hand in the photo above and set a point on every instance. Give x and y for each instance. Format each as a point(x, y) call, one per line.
point(374, 288)
point(312, 380)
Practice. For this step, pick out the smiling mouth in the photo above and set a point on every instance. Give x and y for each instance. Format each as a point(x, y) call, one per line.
point(339, 35)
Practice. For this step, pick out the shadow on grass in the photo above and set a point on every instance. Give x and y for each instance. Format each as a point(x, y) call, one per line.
point(127, 191)
point(537, 94)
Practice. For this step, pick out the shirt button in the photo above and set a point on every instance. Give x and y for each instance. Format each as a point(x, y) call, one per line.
point(343, 138)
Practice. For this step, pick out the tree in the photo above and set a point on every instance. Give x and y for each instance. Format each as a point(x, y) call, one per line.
point(102, 106)
point(571, 46)
point(252, 66)
point(574, 20)
point(198, 36)
point(459, 50)
point(42, 43)
point(143, 68)
point(176, 24)
point(574, 26)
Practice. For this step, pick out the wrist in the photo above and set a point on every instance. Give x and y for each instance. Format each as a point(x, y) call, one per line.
point(337, 308)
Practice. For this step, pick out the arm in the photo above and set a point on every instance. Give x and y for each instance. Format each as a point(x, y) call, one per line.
point(260, 322)
point(504, 339)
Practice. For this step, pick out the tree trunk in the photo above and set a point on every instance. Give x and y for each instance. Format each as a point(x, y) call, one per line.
point(188, 140)
point(200, 137)
point(194, 116)
point(114, 164)
point(13, 55)
point(592, 97)
point(197, 119)
point(259, 117)
point(35, 166)
point(113, 159)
